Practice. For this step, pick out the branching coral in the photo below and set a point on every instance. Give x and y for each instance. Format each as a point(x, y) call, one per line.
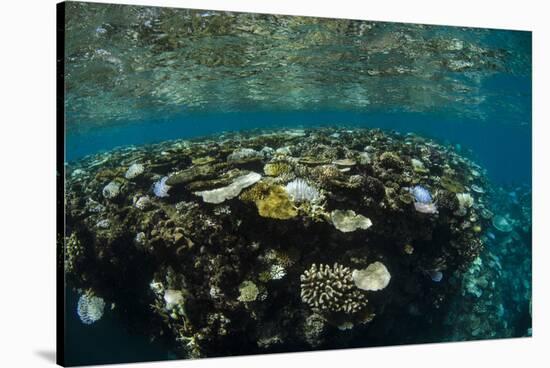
point(331, 289)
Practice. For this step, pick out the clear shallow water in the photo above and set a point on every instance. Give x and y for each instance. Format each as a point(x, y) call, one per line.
point(145, 75)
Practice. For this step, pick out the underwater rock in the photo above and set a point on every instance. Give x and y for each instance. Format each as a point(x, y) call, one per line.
point(348, 221)
point(364, 158)
point(143, 203)
point(90, 308)
point(300, 191)
point(245, 155)
point(375, 277)
point(418, 166)
point(284, 151)
point(134, 171)
point(111, 190)
point(220, 195)
point(346, 162)
point(391, 160)
point(192, 174)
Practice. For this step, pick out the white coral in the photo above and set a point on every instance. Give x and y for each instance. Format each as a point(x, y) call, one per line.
point(111, 190)
point(348, 221)
point(90, 308)
point(300, 191)
point(375, 277)
point(219, 195)
point(134, 171)
point(277, 272)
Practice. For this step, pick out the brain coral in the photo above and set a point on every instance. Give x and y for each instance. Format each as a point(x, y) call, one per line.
point(331, 289)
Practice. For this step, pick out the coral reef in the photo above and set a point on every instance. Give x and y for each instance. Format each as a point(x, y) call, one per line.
point(252, 242)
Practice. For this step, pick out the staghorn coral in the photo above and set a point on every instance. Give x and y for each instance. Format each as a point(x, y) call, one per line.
point(331, 289)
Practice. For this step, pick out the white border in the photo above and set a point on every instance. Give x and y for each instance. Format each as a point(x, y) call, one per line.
point(27, 182)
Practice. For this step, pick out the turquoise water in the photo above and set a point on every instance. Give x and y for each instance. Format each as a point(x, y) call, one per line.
point(139, 76)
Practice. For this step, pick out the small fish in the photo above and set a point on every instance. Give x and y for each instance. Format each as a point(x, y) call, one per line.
point(491, 235)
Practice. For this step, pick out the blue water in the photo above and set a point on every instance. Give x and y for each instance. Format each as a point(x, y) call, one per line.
point(503, 148)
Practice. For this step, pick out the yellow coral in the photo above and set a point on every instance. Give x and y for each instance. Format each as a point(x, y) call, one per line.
point(276, 204)
point(248, 292)
point(256, 192)
point(271, 200)
point(277, 168)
